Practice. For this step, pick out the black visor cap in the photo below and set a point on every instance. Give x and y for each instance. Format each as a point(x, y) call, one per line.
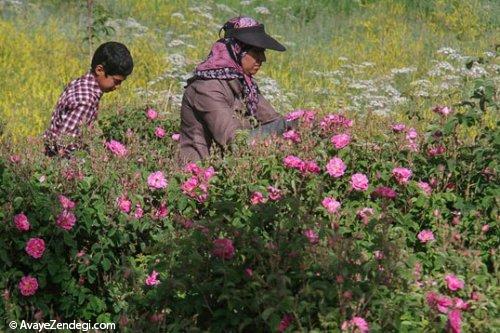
point(255, 36)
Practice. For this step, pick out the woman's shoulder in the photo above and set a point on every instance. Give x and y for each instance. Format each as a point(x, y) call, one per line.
point(211, 85)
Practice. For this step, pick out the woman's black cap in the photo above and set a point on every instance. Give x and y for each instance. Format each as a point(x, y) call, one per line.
point(255, 36)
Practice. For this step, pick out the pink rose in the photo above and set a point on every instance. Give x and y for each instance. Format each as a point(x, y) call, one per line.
point(460, 304)
point(21, 222)
point(384, 192)
point(402, 175)
point(151, 279)
point(356, 323)
point(66, 220)
point(138, 211)
point(190, 184)
point(293, 162)
point(425, 187)
point(117, 148)
point(15, 159)
point(485, 228)
point(35, 247)
point(332, 122)
point(307, 116)
point(310, 166)
point(223, 248)
point(159, 132)
point(66, 203)
point(208, 173)
point(442, 110)
point(274, 193)
point(257, 198)
point(330, 204)
point(425, 236)
point(436, 151)
point(411, 134)
point(248, 272)
point(364, 214)
point(151, 114)
point(453, 283)
point(359, 182)
point(335, 167)
point(28, 285)
point(339, 141)
point(379, 255)
point(312, 236)
point(285, 322)
point(156, 180)
point(161, 212)
point(124, 204)
point(292, 135)
point(397, 128)
point(454, 321)
point(176, 136)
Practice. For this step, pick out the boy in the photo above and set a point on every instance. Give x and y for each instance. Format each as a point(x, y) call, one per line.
point(78, 105)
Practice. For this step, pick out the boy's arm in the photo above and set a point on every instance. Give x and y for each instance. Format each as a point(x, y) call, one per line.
point(82, 112)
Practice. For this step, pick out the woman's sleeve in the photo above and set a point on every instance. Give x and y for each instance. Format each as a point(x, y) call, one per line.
point(211, 102)
point(265, 113)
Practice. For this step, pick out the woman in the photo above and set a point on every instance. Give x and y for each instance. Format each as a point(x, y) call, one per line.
point(222, 96)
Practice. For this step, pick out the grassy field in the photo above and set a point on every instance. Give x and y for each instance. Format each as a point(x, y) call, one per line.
point(385, 57)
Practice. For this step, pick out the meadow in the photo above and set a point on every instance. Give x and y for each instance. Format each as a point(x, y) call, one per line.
point(378, 212)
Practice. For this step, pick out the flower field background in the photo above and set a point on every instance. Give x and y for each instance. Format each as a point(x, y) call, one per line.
point(378, 212)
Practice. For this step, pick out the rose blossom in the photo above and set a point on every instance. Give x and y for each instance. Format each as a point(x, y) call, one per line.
point(65, 202)
point(335, 167)
point(257, 198)
point(35, 247)
point(156, 180)
point(485, 228)
point(454, 321)
point(292, 135)
point(138, 211)
point(161, 212)
point(151, 114)
point(176, 136)
point(364, 214)
point(15, 159)
point(21, 222)
point(310, 166)
point(425, 236)
point(442, 110)
point(359, 182)
point(312, 236)
point(28, 285)
point(159, 132)
point(334, 121)
point(330, 204)
point(285, 322)
point(292, 162)
point(425, 187)
point(223, 248)
point(66, 220)
point(379, 255)
point(356, 322)
point(274, 193)
point(151, 279)
point(117, 148)
point(248, 272)
point(339, 141)
point(436, 150)
point(384, 192)
point(397, 128)
point(411, 134)
point(453, 283)
point(307, 116)
point(124, 204)
point(402, 175)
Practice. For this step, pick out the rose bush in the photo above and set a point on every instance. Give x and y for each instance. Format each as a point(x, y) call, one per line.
point(289, 235)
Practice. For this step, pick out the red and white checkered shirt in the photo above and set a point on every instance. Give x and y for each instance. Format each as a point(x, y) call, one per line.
point(77, 106)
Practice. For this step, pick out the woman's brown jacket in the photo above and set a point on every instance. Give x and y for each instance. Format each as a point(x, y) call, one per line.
point(212, 110)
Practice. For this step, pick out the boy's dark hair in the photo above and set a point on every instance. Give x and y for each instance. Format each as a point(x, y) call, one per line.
point(114, 57)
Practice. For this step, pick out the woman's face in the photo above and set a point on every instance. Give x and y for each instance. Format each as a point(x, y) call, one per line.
point(252, 60)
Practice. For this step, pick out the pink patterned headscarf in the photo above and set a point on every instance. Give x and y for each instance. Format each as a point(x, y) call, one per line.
point(224, 62)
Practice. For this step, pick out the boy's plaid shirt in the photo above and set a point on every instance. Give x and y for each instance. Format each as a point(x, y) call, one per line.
point(77, 106)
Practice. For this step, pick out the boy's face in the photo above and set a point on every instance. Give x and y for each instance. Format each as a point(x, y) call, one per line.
point(108, 83)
